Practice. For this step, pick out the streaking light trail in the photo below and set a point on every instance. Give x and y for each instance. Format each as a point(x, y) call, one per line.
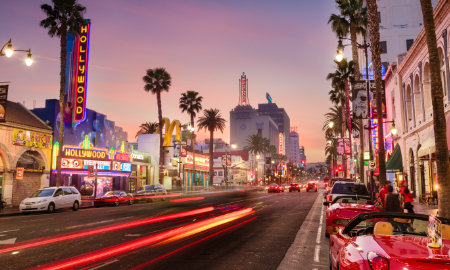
point(105, 229)
point(169, 235)
point(188, 199)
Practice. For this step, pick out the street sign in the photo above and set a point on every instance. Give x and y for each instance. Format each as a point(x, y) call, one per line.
point(372, 165)
point(91, 171)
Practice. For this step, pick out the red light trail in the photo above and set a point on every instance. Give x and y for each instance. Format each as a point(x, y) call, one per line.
point(166, 236)
point(188, 199)
point(105, 229)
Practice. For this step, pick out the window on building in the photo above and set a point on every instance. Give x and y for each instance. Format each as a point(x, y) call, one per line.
point(220, 173)
point(385, 65)
point(379, 17)
point(383, 46)
point(259, 131)
point(409, 43)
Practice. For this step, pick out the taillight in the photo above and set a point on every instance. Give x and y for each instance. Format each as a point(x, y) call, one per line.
point(377, 262)
point(329, 198)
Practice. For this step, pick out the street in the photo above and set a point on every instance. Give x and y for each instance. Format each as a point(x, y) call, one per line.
point(232, 230)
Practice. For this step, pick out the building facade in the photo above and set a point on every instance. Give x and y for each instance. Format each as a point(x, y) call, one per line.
point(408, 90)
point(25, 153)
point(294, 147)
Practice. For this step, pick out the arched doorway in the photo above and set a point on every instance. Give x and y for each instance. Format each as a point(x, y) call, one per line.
point(33, 165)
point(412, 171)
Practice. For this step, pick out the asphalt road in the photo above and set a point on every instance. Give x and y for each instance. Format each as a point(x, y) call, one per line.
point(233, 230)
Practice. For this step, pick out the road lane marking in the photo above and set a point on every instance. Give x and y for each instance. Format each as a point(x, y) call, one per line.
point(8, 241)
point(319, 231)
point(316, 253)
point(105, 264)
point(15, 230)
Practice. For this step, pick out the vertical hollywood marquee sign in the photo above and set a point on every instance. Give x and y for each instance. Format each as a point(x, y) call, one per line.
point(281, 143)
point(81, 73)
point(243, 89)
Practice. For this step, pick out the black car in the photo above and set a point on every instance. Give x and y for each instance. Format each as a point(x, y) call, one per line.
point(115, 197)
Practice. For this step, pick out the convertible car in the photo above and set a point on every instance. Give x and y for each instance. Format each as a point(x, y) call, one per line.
point(388, 240)
point(343, 208)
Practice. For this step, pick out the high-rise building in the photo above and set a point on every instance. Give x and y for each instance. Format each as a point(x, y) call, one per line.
point(293, 145)
point(283, 122)
point(301, 151)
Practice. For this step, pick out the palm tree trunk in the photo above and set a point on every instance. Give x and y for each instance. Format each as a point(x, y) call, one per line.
point(343, 129)
point(193, 146)
point(161, 147)
point(355, 57)
point(361, 157)
point(62, 102)
point(211, 157)
point(372, 12)
point(439, 122)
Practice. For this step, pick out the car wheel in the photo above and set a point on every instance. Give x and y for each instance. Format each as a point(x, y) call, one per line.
point(51, 208)
point(130, 202)
point(290, 190)
point(116, 202)
point(75, 206)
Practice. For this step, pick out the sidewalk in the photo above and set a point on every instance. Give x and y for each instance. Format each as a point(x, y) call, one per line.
point(424, 209)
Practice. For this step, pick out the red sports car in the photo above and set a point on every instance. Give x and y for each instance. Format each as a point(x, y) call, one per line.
point(275, 188)
point(294, 187)
point(389, 240)
point(311, 186)
point(343, 208)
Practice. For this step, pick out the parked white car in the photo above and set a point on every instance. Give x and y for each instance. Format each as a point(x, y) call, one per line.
point(52, 198)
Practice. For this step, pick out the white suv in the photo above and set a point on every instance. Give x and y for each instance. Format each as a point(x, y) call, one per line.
point(52, 198)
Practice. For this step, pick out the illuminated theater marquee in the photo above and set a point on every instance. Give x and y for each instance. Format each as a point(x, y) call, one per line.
point(80, 73)
point(85, 153)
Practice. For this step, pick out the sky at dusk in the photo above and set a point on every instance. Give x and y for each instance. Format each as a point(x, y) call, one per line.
point(286, 48)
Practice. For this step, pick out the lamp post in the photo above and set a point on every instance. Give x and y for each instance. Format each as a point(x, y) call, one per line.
point(8, 50)
point(192, 130)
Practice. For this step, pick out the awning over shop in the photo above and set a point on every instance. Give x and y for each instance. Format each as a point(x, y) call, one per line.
point(427, 148)
point(395, 163)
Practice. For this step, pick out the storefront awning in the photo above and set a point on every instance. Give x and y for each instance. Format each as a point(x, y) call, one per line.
point(395, 163)
point(427, 148)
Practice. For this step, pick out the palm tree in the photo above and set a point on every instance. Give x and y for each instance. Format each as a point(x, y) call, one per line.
point(443, 171)
point(191, 103)
point(156, 81)
point(339, 94)
point(147, 128)
point(257, 144)
point(351, 20)
point(212, 121)
point(374, 33)
point(65, 16)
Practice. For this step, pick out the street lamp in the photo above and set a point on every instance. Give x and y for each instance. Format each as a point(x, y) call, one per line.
point(394, 130)
point(8, 50)
point(331, 124)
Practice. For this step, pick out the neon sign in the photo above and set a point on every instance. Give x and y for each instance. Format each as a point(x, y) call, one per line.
point(243, 83)
point(84, 153)
point(169, 127)
point(374, 125)
point(122, 156)
point(280, 143)
point(80, 73)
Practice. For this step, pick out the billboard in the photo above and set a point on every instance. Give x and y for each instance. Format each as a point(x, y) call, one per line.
point(281, 143)
point(359, 100)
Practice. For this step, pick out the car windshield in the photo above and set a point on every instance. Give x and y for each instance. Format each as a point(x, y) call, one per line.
point(352, 200)
point(349, 188)
point(112, 193)
point(400, 226)
point(149, 187)
point(43, 193)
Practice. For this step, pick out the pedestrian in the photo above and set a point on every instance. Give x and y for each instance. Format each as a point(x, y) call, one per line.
point(392, 201)
point(407, 196)
point(383, 192)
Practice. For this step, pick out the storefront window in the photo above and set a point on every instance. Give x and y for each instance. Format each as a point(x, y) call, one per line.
point(30, 160)
point(104, 184)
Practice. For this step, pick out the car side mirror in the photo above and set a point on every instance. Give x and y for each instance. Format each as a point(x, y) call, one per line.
point(326, 203)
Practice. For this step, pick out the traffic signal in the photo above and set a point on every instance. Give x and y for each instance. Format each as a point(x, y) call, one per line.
point(303, 163)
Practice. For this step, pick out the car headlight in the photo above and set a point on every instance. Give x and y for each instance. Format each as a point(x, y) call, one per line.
point(41, 201)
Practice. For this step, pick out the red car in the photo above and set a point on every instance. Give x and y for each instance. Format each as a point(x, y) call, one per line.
point(343, 208)
point(311, 186)
point(115, 198)
point(294, 187)
point(275, 188)
point(388, 240)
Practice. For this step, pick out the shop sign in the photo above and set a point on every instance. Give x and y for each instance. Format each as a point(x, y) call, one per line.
point(366, 156)
point(4, 93)
point(70, 163)
point(32, 139)
point(199, 160)
point(81, 73)
point(85, 153)
point(121, 166)
point(99, 164)
point(122, 156)
point(139, 156)
point(281, 143)
point(19, 173)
